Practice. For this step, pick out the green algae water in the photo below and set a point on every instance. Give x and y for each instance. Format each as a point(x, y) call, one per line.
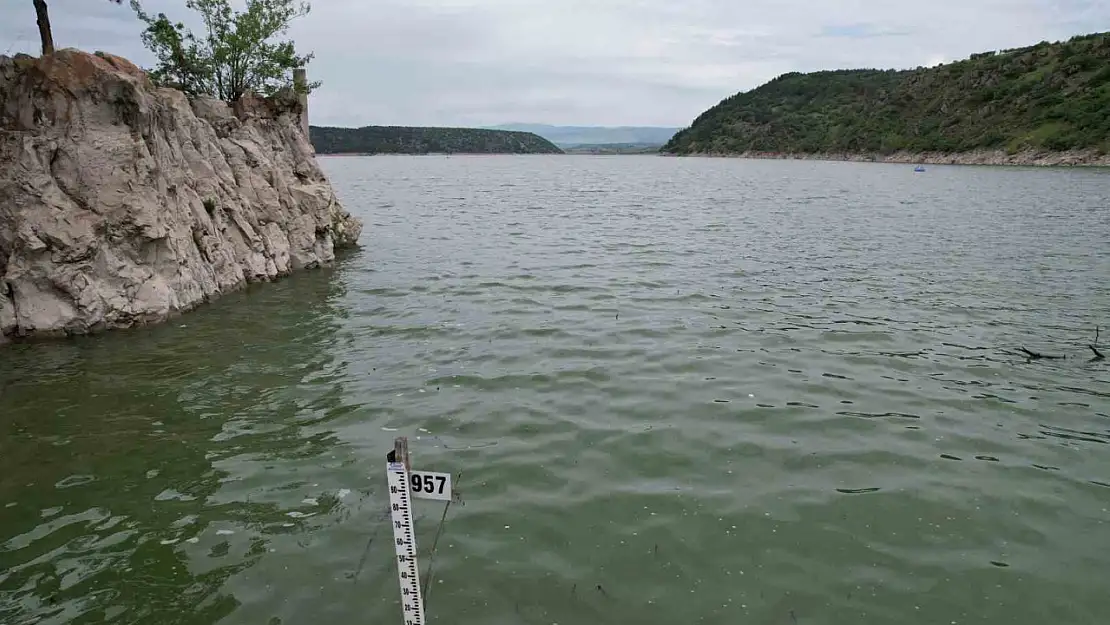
point(674, 391)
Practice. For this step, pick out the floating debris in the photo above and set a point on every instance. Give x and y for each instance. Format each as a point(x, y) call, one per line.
point(170, 494)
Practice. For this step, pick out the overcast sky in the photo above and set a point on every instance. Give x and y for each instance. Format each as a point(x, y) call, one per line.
point(587, 62)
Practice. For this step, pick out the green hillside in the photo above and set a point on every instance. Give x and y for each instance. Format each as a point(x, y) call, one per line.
point(416, 140)
point(1051, 96)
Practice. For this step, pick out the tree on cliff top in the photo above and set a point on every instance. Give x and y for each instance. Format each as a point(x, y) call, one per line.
point(235, 56)
point(42, 17)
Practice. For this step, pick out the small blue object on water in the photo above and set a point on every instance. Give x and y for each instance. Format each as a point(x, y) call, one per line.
point(919, 168)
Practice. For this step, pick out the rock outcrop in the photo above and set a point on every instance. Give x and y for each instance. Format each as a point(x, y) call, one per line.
point(122, 203)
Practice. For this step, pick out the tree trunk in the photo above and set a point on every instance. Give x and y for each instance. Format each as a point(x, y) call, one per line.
point(44, 27)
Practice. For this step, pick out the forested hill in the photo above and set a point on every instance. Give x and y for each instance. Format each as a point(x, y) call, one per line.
point(1051, 96)
point(415, 140)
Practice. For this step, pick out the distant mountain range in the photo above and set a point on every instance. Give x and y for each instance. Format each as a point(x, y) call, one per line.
point(571, 136)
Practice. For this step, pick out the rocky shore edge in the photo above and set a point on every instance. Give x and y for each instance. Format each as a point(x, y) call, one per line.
point(123, 203)
point(1028, 158)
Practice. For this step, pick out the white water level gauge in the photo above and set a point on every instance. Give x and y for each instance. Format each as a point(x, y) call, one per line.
point(404, 485)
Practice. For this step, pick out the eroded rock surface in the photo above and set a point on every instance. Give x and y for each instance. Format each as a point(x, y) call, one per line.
point(123, 203)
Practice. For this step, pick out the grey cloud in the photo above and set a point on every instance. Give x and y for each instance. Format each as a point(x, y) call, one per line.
point(858, 30)
point(616, 62)
point(85, 24)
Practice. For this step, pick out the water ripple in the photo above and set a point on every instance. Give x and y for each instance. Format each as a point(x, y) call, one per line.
point(670, 390)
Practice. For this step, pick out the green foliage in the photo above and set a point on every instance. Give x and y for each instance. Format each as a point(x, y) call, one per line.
point(411, 140)
point(1047, 96)
point(236, 55)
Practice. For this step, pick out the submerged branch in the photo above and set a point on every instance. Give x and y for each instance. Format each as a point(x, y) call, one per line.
point(435, 543)
point(1098, 355)
point(1037, 356)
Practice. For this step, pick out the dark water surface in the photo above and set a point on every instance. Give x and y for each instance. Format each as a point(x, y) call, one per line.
point(677, 391)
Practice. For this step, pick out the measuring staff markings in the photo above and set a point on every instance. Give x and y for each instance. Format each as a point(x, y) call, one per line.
point(404, 539)
point(403, 486)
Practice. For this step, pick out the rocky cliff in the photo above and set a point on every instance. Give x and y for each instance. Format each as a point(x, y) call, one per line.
point(122, 203)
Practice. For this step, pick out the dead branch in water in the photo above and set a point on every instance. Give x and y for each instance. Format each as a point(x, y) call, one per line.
point(435, 542)
point(1094, 347)
point(1098, 355)
point(1037, 356)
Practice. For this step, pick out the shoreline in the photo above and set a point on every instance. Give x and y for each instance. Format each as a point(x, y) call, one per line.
point(1028, 158)
point(989, 158)
point(321, 154)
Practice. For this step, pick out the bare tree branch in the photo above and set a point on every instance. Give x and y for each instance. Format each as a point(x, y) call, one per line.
point(1037, 356)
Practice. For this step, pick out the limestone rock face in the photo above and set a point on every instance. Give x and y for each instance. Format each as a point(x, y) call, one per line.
point(122, 203)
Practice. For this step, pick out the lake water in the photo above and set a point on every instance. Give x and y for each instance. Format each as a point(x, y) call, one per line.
point(675, 391)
